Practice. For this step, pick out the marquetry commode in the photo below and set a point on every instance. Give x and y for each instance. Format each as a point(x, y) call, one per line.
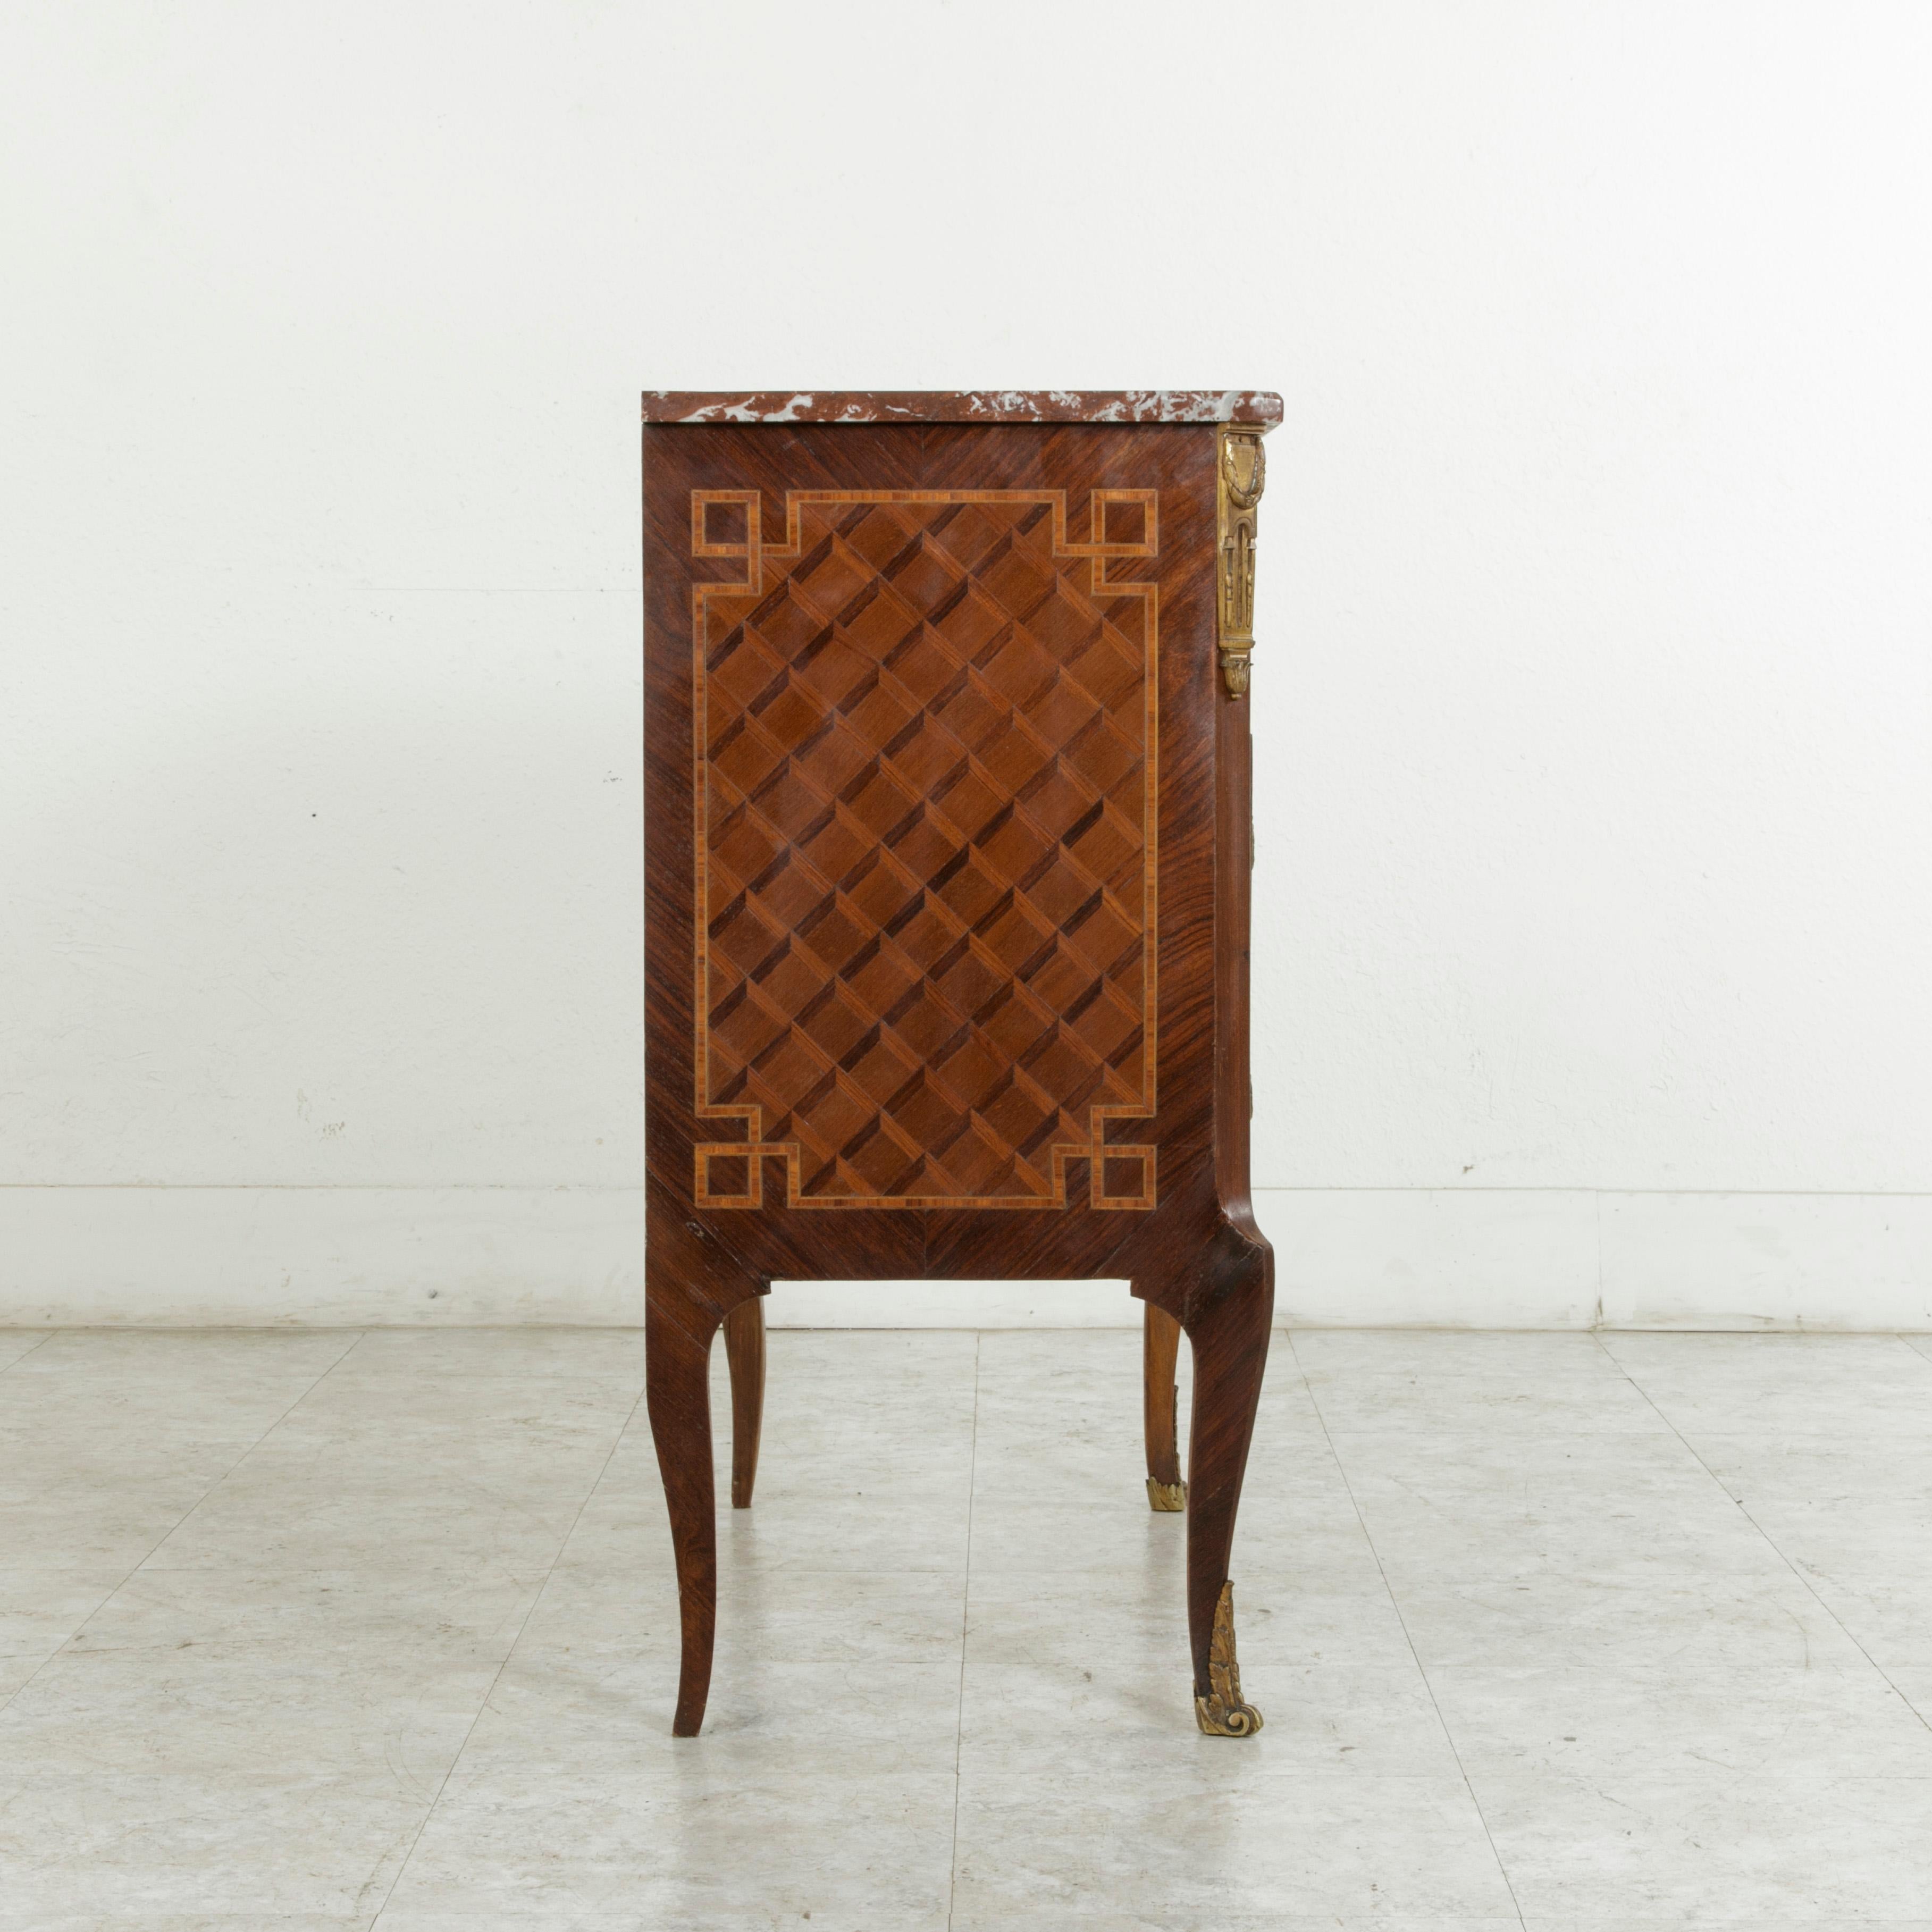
point(948, 844)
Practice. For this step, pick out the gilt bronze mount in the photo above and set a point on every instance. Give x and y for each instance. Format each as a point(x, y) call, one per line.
point(1241, 474)
point(1222, 1713)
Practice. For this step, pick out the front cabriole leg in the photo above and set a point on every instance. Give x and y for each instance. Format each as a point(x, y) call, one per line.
point(1229, 1336)
point(690, 1286)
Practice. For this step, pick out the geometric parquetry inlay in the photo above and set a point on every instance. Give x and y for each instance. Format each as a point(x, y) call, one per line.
point(925, 784)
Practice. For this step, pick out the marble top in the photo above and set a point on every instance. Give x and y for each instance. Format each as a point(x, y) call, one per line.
point(1259, 406)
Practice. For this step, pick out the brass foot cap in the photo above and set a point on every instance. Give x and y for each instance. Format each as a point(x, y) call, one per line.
point(1224, 1712)
point(1226, 1720)
point(1166, 1497)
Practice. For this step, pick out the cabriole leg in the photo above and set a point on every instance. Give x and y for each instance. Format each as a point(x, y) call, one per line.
point(677, 1342)
point(690, 1286)
point(1161, 1345)
point(1230, 1340)
point(745, 1350)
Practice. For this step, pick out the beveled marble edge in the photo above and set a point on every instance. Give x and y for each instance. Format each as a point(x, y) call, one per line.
point(1260, 406)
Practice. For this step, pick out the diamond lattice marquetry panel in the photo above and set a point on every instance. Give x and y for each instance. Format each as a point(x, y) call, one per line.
point(924, 791)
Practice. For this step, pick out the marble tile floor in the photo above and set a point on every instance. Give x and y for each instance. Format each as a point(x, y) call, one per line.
point(328, 1629)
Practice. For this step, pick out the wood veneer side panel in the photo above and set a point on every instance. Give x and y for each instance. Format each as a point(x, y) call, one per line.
point(1179, 463)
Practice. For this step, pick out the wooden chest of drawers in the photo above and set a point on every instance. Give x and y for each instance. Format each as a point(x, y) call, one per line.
point(948, 845)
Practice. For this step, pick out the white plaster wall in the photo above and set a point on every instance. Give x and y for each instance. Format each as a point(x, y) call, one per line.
point(1595, 689)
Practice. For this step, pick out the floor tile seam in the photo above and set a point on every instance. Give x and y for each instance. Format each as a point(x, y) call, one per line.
point(1771, 1543)
point(1482, 1817)
point(965, 1619)
point(510, 1652)
point(34, 1350)
point(60, 1648)
point(1705, 1672)
point(1730, 1782)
